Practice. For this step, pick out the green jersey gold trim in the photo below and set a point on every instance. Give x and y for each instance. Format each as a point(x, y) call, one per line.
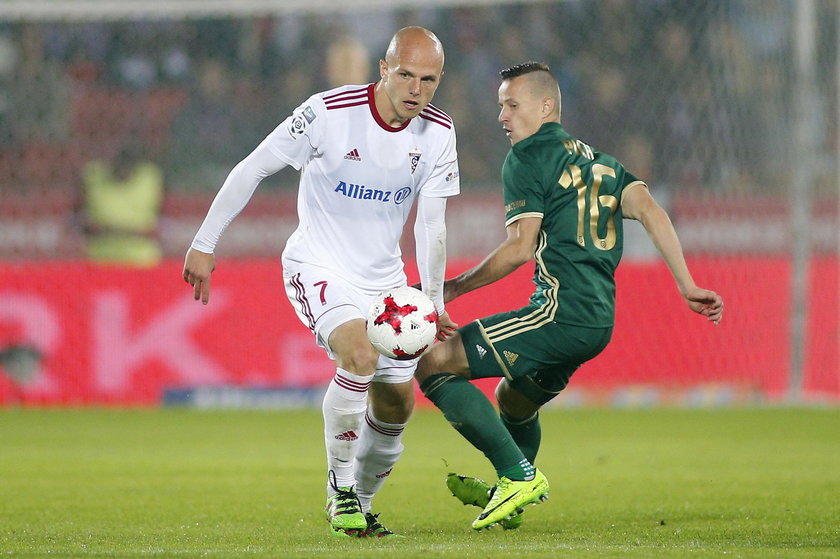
point(577, 193)
point(496, 355)
point(517, 217)
point(543, 314)
point(633, 184)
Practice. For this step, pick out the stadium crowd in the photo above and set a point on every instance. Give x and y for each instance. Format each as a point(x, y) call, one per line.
point(686, 84)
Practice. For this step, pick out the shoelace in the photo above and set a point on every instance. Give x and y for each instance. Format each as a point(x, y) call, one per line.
point(501, 484)
point(376, 528)
point(346, 500)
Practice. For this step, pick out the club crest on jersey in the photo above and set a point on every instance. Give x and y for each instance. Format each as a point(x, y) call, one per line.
point(414, 158)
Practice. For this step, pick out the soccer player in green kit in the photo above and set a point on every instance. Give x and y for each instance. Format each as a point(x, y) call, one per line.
point(564, 205)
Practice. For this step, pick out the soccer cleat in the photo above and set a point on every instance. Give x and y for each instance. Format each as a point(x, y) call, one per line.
point(477, 492)
point(344, 512)
point(510, 498)
point(375, 529)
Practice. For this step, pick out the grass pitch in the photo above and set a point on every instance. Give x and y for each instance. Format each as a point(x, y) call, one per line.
point(640, 483)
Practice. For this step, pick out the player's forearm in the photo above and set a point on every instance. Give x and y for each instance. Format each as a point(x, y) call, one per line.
point(230, 200)
point(661, 232)
point(505, 259)
point(430, 238)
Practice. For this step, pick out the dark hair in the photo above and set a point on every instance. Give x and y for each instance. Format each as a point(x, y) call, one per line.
point(524, 68)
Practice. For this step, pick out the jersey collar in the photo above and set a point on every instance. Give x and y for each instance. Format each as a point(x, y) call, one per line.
point(376, 116)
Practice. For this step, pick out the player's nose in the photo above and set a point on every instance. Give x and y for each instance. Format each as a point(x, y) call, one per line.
point(414, 86)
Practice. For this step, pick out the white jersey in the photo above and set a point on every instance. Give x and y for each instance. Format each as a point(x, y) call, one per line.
point(359, 179)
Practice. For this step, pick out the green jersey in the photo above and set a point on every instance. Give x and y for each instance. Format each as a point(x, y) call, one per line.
point(577, 193)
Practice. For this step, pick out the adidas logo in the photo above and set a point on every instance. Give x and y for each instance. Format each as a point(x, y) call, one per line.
point(511, 357)
point(347, 436)
point(353, 155)
point(481, 351)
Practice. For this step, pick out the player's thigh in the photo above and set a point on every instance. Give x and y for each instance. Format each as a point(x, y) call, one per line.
point(324, 302)
point(537, 357)
point(335, 311)
point(444, 357)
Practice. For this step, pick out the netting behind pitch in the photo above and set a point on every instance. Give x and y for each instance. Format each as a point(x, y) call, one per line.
point(702, 100)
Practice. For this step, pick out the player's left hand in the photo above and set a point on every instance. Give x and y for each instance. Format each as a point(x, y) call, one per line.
point(705, 302)
point(445, 326)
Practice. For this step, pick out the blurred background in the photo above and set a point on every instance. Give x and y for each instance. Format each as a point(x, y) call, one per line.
point(120, 120)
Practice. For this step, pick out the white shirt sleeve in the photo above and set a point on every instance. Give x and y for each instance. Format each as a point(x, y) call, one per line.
point(445, 177)
point(292, 142)
point(235, 194)
point(297, 139)
point(430, 240)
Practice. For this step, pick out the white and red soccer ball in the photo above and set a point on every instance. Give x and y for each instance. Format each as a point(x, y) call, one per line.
point(402, 323)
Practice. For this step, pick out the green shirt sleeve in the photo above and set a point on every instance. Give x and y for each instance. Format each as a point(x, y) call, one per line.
point(523, 192)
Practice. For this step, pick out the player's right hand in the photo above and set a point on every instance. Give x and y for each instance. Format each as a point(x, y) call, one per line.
point(197, 269)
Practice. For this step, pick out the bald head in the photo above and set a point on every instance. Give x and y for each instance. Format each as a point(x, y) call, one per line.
point(538, 82)
point(415, 40)
point(409, 75)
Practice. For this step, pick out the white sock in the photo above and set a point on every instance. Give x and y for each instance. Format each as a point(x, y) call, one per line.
point(379, 449)
point(344, 408)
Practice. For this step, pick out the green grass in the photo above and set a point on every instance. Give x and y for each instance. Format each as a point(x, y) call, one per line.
point(640, 483)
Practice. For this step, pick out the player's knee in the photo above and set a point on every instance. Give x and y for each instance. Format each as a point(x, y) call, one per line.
point(513, 403)
point(431, 363)
point(360, 360)
point(444, 357)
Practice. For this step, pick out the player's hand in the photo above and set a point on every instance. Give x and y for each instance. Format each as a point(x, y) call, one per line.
point(705, 302)
point(197, 269)
point(445, 326)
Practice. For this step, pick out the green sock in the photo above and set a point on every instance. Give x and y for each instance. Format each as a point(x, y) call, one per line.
point(472, 415)
point(526, 432)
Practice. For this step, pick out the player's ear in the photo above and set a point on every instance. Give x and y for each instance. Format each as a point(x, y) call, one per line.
point(547, 106)
point(383, 69)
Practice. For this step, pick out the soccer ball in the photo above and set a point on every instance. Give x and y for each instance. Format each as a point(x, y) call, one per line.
point(402, 323)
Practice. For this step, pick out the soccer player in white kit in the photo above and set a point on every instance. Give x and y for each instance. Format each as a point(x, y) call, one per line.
point(365, 153)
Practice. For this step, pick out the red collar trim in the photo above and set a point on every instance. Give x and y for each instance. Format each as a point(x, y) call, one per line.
point(379, 120)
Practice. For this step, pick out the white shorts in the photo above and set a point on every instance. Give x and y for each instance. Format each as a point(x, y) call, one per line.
point(323, 301)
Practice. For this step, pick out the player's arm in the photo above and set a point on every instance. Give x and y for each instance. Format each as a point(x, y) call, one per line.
point(514, 251)
point(638, 204)
point(234, 195)
point(430, 240)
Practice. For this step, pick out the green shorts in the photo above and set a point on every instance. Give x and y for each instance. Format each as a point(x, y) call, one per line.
point(536, 356)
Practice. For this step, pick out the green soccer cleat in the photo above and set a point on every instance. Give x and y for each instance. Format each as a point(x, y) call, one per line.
point(510, 498)
point(375, 529)
point(344, 513)
point(477, 492)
